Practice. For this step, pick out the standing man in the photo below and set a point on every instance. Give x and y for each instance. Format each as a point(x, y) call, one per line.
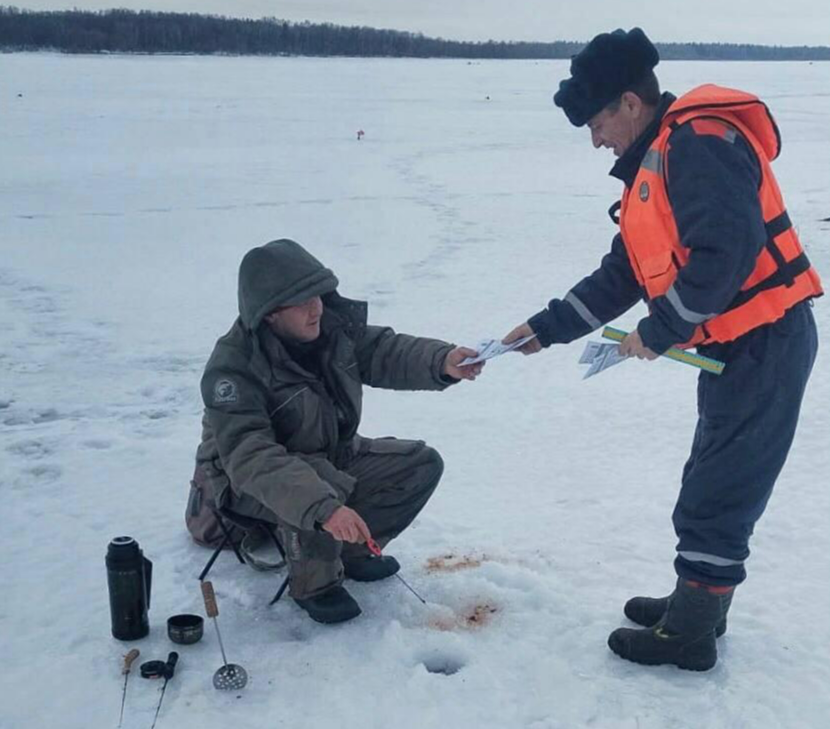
point(706, 240)
point(283, 396)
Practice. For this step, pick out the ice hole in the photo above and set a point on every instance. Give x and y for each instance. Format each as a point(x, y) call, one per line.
point(445, 665)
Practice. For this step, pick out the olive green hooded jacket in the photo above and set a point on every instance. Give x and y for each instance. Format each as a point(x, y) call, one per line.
point(278, 432)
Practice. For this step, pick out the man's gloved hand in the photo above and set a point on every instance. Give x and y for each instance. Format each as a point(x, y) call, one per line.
point(346, 525)
point(521, 331)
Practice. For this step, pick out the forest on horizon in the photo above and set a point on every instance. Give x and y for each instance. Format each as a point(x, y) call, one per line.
point(146, 31)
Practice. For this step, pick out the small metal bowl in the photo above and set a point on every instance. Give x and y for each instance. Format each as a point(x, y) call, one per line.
point(185, 629)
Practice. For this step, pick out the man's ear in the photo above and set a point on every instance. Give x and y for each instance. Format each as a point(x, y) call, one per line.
point(633, 104)
point(270, 318)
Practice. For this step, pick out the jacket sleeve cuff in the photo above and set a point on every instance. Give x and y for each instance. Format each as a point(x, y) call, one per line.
point(658, 339)
point(325, 511)
point(539, 324)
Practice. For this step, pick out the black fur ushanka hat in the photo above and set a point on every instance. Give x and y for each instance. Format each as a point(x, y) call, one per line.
point(602, 70)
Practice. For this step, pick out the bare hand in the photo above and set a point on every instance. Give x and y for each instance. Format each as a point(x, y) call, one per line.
point(467, 372)
point(632, 346)
point(520, 332)
point(346, 525)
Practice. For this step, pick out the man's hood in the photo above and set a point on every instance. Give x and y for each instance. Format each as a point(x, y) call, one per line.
point(280, 273)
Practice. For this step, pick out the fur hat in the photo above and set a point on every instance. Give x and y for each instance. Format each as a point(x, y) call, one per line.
point(601, 71)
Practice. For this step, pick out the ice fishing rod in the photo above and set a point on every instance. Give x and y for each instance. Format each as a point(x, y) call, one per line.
point(160, 669)
point(128, 662)
point(707, 364)
point(375, 549)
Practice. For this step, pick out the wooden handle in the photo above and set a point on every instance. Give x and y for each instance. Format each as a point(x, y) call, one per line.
point(128, 660)
point(210, 599)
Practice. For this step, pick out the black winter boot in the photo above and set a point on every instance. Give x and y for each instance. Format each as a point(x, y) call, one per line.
point(684, 636)
point(335, 605)
point(647, 611)
point(370, 568)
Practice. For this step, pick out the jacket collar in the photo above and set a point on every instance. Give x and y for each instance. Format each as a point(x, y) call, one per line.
point(279, 357)
point(628, 165)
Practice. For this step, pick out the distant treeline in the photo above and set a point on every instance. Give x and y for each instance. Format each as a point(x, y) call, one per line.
point(126, 31)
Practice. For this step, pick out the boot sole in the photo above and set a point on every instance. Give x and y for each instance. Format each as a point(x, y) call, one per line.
point(700, 668)
point(688, 664)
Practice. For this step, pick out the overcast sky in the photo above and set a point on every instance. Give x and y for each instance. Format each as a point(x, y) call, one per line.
point(784, 22)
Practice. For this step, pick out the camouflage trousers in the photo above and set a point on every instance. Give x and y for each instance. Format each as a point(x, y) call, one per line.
point(395, 479)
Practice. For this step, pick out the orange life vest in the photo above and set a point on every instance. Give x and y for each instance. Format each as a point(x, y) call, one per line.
point(782, 276)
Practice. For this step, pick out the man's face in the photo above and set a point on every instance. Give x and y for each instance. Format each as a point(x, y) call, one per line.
point(300, 323)
point(618, 129)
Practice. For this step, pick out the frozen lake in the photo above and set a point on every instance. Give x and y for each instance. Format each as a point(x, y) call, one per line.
point(130, 188)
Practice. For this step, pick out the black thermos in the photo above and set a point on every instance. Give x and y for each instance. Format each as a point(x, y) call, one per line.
point(129, 575)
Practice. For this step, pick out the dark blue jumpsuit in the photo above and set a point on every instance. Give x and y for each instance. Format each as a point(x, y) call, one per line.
point(748, 415)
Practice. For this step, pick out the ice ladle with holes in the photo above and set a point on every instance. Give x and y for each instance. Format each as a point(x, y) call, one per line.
point(230, 677)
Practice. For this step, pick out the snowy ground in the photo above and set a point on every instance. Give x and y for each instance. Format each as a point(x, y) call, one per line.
point(129, 190)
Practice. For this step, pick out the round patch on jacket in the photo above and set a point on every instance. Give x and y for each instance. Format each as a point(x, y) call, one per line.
point(225, 391)
point(644, 191)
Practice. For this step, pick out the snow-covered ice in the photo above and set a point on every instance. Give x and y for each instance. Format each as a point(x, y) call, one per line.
point(130, 187)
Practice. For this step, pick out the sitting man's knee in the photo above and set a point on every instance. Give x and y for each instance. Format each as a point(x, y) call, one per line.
point(434, 463)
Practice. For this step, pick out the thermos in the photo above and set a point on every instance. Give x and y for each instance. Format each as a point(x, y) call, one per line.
point(129, 574)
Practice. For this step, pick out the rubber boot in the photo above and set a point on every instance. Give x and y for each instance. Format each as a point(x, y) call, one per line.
point(370, 568)
point(335, 605)
point(647, 611)
point(684, 636)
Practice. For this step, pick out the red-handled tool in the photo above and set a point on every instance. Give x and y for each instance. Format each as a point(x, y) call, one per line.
point(375, 549)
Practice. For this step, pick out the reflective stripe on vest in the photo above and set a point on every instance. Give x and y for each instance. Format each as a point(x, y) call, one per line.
point(782, 276)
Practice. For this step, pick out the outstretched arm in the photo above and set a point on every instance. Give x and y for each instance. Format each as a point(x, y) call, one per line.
point(609, 291)
point(403, 362)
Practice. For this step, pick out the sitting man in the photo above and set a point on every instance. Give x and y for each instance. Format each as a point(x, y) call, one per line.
point(282, 393)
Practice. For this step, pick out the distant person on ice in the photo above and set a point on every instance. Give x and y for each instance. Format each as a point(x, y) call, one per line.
point(283, 392)
point(706, 240)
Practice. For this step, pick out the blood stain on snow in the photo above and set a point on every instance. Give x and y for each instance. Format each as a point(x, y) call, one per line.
point(480, 615)
point(472, 618)
point(454, 563)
